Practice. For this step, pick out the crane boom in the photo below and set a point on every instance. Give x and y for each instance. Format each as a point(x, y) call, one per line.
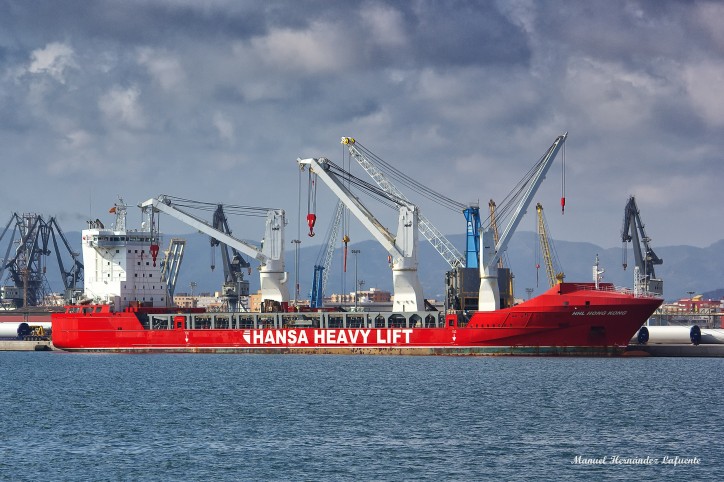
point(490, 251)
point(402, 248)
point(270, 256)
point(441, 244)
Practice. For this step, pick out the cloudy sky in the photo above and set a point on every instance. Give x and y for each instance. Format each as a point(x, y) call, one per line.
point(214, 100)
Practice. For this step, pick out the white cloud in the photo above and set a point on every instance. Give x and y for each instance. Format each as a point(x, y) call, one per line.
point(164, 68)
point(122, 106)
point(384, 25)
point(612, 97)
point(224, 127)
point(705, 85)
point(673, 191)
point(78, 139)
point(322, 48)
point(711, 18)
point(54, 59)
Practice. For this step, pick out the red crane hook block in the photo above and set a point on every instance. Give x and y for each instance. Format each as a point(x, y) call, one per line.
point(311, 219)
point(154, 252)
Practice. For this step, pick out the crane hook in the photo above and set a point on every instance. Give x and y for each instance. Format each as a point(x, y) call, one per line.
point(311, 219)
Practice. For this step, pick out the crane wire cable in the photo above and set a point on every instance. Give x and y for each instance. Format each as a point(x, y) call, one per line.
point(506, 208)
point(371, 189)
point(409, 182)
point(233, 209)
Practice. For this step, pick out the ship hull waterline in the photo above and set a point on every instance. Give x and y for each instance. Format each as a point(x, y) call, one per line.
point(566, 320)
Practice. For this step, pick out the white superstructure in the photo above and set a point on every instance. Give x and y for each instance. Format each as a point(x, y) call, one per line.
point(119, 266)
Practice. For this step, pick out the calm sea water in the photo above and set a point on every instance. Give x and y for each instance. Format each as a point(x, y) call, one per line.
point(265, 417)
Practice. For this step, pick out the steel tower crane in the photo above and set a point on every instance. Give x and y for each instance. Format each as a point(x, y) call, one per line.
point(402, 247)
point(441, 244)
point(270, 255)
point(490, 251)
point(645, 258)
point(321, 269)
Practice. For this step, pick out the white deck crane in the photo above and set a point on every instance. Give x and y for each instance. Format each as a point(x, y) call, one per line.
point(270, 255)
point(490, 251)
point(402, 248)
point(441, 244)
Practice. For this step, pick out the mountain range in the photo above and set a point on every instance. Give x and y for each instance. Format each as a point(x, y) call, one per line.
point(685, 269)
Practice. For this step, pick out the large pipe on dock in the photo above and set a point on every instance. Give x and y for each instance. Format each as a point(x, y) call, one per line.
point(672, 335)
point(712, 336)
point(22, 329)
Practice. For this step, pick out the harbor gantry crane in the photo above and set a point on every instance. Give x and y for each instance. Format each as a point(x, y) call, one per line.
point(402, 248)
point(26, 267)
point(645, 259)
point(235, 287)
point(546, 245)
point(321, 268)
point(490, 251)
point(273, 277)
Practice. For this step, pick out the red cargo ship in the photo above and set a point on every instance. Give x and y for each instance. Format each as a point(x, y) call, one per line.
point(568, 319)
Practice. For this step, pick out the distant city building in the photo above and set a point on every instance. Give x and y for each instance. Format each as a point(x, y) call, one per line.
point(694, 310)
point(211, 302)
point(372, 295)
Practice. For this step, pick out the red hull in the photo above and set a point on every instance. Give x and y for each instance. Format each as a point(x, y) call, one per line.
point(567, 319)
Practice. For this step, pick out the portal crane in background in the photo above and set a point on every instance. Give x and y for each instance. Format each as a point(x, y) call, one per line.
point(235, 287)
point(645, 258)
point(402, 248)
point(441, 244)
point(26, 267)
point(490, 251)
point(549, 256)
point(324, 261)
point(273, 277)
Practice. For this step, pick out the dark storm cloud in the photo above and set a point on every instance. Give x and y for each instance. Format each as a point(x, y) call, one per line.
point(218, 98)
point(448, 33)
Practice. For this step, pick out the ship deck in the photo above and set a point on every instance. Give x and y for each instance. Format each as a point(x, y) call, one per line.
point(238, 321)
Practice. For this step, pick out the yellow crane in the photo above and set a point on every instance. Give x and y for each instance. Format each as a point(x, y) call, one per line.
point(545, 246)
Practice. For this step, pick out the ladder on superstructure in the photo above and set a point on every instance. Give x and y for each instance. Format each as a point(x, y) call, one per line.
point(172, 264)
